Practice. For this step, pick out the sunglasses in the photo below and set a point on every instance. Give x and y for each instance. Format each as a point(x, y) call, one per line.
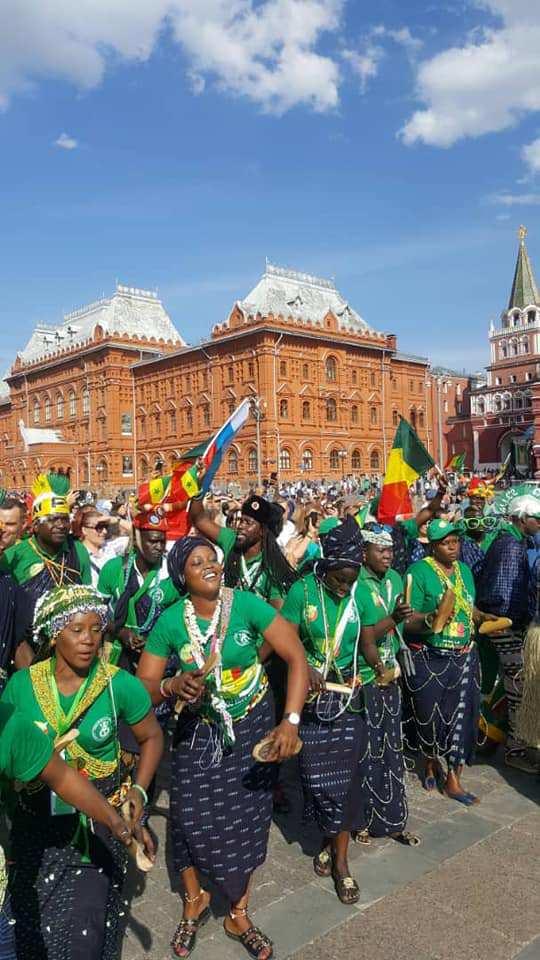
point(100, 527)
point(480, 523)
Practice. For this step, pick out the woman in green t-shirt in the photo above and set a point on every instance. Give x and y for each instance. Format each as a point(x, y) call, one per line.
point(324, 610)
point(221, 800)
point(67, 879)
point(379, 595)
point(443, 690)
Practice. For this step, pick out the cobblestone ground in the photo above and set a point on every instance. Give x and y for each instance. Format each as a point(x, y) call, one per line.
point(471, 891)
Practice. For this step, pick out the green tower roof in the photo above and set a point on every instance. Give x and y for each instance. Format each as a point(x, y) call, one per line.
point(524, 289)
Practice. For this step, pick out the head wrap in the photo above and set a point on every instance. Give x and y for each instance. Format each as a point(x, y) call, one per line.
point(377, 534)
point(150, 520)
point(55, 609)
point(50, 492)
point(264, 512)
point(178, 557)
point(341, 547)
point(480, 488)
point(439, 529)
point(525, 506)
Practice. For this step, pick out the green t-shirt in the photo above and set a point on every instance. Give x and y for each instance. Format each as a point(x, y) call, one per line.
point(303, 607)
point(111, 585)
point(376, 599)
point(410, 527)
point(23, 563)
point(24, 749)
point(97, 729)
point(427, 591)
point(254, 577)
point(242, 675)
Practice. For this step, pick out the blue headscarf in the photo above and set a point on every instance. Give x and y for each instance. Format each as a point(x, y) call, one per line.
point(178, 556)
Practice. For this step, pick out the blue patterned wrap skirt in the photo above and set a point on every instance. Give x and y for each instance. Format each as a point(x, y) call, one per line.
point(383, 767)
point(220, 813)
point(331, 763)
point(442, 704)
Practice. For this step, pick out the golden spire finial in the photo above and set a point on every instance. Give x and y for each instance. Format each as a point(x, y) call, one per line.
point(522, 233)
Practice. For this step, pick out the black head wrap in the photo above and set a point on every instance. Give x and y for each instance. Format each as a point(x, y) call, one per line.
point(341, 547)
point(178, 556)
point(263, 511)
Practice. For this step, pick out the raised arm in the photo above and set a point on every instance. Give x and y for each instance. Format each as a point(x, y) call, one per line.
point(204, 523)
point(427, 513)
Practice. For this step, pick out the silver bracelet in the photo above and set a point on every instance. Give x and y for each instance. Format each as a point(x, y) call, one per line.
point(163, 692)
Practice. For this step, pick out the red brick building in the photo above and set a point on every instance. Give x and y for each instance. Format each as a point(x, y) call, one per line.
point(114, 387)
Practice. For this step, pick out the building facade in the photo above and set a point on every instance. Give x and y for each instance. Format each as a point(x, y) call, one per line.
point(114, 388)
point(502, 412)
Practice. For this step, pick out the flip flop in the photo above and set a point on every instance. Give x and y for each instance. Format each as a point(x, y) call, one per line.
point(430, 784)
point(322, 864)
point(465, 798)
point(407, 839)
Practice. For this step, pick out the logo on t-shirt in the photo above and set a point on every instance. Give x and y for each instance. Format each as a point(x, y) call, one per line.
point(102, 728)
point(243, 638)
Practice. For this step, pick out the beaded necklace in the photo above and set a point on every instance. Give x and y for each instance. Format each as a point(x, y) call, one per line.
point(198, 641)
point(464, 602)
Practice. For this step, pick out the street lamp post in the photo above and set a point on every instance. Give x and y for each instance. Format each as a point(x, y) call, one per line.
point(257, 409)
point(99, 471)
point(342, 454)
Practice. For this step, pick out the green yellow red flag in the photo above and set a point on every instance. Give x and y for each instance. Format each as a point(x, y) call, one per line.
point(408, 460)
point(457, 462)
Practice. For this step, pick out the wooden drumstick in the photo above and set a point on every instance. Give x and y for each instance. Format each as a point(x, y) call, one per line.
point(208, 666)
point(136, 849)
point(408, 589)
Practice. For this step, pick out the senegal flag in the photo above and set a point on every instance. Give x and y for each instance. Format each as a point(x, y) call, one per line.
point(154, 491)
point(456, 463)
point(408, 460)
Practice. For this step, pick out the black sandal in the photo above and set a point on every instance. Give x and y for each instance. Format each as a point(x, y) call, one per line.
point(322, 863)
point(347, 889)
point(253, 940)
point(185, 935)
point(407, 839)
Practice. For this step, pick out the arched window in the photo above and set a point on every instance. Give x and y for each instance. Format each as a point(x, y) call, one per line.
point(306, 410)
point(305, 371)
point(375, 460)
point(142, 428)
point(47, 409)
point(481, 406)
point(206, 414)
point(354, 413)
point(515, 348)
point(531, 316)
point(283, 368)
point(189, 419)
point(36, 411)
point(334, 460)
point(525, 345)
point(284, 409)
point(504, 350)
point(498, 404)
point(284, 459)
point(518, 401)
point(172, 422)
point(412, 417)
point(103, 471)
point(354, 377)
point(373, 416)
point(72, 401)
point(85, 477)
point(60, 406)
point(372, 379)
point(395, 418)
point(252, 460)
point(307, 460)
point(507, 402)
point(144, 469)
point(331, 410)
point(528, 400)
point(85, 402)
point(331, 369)
point(421, 420)
point(233, 462)
point(356, 460)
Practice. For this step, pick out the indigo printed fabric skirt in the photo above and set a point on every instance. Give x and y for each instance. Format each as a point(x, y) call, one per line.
point(64, 907)
point(383, 768)
point(331, 764)
point(220, 814)
point(442, 704)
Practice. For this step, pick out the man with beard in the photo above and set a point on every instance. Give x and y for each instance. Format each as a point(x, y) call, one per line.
point(252, 558)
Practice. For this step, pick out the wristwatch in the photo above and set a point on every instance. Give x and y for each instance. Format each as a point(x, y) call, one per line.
point(293, 718)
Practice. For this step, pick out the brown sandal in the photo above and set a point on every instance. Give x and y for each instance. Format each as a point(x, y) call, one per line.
point(322, 863)
point(347, 890)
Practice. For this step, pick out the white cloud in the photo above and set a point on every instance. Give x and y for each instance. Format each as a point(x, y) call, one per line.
point(531, 155)
point(484, 86)
point(266, 50)
point(66, 142)
point(515, 199)
point(365, 61)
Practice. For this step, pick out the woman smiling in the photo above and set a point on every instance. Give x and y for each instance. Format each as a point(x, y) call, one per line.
point(221, 800)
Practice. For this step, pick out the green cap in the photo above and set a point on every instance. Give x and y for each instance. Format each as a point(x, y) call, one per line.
point(439, 529)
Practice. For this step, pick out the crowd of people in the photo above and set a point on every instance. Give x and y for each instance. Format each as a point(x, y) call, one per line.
point(287, 624)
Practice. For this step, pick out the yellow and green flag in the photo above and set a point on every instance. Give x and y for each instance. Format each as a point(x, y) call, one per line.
point(408, 460)
point(456, 463)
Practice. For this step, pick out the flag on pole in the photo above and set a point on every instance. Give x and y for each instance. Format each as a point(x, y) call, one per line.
point(408, 460)
point(218, 446)
point(504, 467)
point(456, 463)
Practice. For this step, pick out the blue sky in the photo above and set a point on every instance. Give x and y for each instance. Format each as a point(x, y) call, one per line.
point(177, 143)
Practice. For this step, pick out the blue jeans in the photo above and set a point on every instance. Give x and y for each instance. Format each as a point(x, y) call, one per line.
point(7, 932)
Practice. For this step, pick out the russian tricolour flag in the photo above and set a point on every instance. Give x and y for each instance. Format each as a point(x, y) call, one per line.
point(219, 444)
